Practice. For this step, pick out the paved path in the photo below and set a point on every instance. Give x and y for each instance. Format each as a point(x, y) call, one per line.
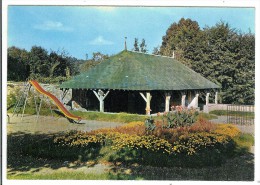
point(250, 129)
point(48, 124)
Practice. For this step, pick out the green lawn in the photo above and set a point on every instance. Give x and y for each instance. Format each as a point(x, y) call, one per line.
point(250, 115)
point(111, 117)
point(240, 168)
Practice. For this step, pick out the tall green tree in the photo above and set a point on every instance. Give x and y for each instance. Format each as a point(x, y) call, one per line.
point(143, 47)
point(17, 64)
point(219, 53)
point(136, 45)
point(181, 38)
point(39, 62)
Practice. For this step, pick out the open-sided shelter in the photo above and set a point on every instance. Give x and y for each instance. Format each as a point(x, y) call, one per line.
point(138, 83)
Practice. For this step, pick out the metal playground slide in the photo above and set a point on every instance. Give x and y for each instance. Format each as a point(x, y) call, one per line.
point(57, 102)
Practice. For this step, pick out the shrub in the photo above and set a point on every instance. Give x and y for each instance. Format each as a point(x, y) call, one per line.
point(172, 134)
point(116, 140)
point(192, 143)
point(149, 124)
point(180, 117)
point(202, 125)
point(227, 129)
point(201, 144)
point(132, 128)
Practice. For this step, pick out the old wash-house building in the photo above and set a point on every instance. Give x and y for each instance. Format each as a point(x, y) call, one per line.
point(139, 83)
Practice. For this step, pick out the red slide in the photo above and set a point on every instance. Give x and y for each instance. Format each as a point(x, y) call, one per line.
point(60, 105)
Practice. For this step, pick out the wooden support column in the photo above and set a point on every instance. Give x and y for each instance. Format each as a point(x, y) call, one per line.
point(101, 97)
point(147, 99)
point(183, 99)
point(167, 102)
point(207, 98)
point(216, 98)
point(197, 100)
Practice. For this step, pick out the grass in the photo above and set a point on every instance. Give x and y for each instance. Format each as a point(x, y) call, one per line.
point(207, 116)
point(233, 113)
point(98, 116)
point(244, 142)
point(111, 117)
point(240, 168)
point(60, 176)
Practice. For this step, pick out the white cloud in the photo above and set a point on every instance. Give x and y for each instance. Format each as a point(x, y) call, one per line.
point(100, 41)
point(52, 26)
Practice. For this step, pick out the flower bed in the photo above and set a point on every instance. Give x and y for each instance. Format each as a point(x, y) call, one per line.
point(202, 143)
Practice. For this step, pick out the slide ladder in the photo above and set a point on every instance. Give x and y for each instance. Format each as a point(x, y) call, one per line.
point(21, 103)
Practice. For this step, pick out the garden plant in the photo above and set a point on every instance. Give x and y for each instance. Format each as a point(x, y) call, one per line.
point(185, 144)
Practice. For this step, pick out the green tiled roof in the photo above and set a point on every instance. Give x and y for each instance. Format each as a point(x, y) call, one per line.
point(138, 71)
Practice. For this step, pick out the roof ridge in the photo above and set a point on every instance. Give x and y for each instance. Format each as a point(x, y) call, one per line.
point(151, 54)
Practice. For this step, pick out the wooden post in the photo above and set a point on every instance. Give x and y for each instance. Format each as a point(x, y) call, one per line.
point(216, 98)
point(207, 98)
point(197, 100)
point(194, 103)
point(147, 99)
point(183, 98)
point(101, 97)
point(167, 102)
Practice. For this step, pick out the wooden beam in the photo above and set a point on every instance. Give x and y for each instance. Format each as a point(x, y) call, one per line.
point(143, 97)
point(147, 99)
point(101, 99)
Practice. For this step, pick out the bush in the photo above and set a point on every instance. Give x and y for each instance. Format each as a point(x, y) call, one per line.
point(198, 145)
point(202, 142)
point(227, 129)
point(180, 117)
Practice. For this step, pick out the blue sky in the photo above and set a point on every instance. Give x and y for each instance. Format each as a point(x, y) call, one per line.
point(82, 30)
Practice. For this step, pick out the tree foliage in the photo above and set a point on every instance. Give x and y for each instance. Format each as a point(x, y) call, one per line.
point(39, 64)
point(142, 47)
point(136, 45)
point(219, 53)
point(98, 57)
point(18, 65)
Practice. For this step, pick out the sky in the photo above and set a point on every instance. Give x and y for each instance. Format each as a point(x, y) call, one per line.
point(82, 30)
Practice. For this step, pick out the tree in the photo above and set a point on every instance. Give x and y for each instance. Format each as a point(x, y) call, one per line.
point(180, 37)
point(156, 50)
point(136, 45)
point(17, 64)
point(143, 48)
point(219, 53)
point(140, 47)
point(97, 57)
point(39, 63)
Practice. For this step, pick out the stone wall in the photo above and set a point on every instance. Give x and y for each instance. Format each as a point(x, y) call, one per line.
point(53, 89)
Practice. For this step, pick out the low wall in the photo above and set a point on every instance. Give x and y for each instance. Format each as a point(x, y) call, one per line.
point(212, 107)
